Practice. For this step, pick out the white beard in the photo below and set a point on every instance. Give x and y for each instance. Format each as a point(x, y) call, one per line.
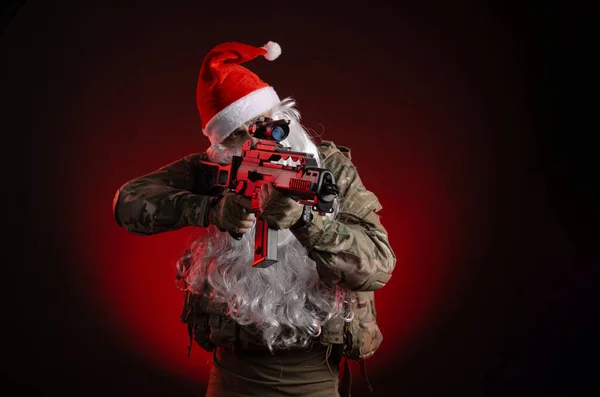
point(287, 301)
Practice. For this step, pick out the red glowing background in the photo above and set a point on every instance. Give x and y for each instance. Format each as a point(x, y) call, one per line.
point(470, 120)
point(130, 279)
point(125, 106)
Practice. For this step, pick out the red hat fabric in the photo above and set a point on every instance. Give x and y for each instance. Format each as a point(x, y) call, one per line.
point(228, 94)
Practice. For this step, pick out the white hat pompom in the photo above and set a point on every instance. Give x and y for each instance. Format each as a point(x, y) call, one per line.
point(273, 50)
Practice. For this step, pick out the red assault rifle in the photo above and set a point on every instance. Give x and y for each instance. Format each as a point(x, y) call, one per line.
point(304, 181)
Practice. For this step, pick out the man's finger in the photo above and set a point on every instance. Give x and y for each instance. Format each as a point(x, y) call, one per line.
point(245, 224)
point(250, 216)
point(246, 203)
point(264, 192)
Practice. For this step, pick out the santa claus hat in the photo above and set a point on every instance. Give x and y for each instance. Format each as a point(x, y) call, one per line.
point(228, 94)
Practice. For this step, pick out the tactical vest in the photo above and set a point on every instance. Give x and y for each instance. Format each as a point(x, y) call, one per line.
point(361, 337)
point(209, 327)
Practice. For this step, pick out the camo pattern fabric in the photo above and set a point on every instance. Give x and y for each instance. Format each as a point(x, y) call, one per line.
point(351, 250)
point(362, 336)
point(277, 209)
point(166, 199)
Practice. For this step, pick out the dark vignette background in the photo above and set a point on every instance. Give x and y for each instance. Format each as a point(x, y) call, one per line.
point(523, 322)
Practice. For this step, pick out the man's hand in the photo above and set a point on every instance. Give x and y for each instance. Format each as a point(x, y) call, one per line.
point(231, 214)
point(277, 209)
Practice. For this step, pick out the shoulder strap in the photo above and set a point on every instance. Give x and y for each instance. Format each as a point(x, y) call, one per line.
point(327, 148)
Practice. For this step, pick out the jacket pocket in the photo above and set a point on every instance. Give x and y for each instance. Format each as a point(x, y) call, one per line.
point(363, 336)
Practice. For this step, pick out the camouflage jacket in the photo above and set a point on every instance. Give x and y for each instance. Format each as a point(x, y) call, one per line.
point(351, 250)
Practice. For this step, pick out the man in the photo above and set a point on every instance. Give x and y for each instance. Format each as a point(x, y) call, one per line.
point(283, 329)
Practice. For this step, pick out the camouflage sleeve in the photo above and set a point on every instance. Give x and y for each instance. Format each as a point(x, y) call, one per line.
point(352, 249)
point(162, 200)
